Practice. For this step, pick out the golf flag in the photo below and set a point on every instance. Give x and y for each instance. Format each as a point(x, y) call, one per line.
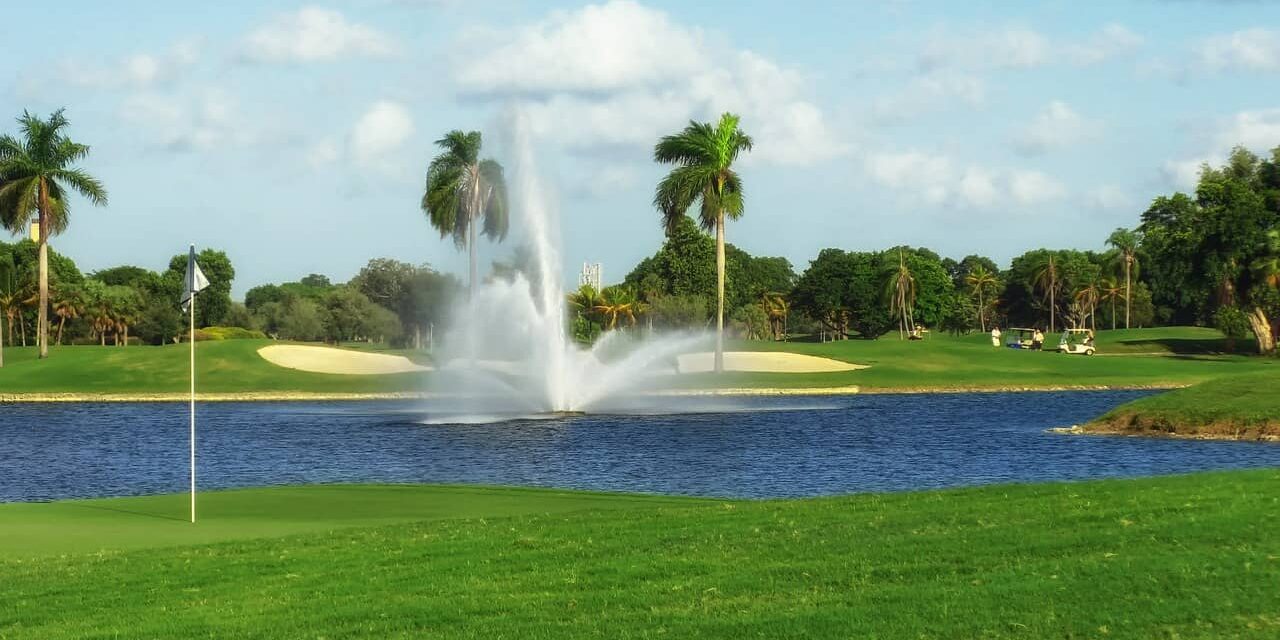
point(194, 281)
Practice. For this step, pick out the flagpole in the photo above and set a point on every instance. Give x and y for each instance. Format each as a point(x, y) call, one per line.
point(192, 340)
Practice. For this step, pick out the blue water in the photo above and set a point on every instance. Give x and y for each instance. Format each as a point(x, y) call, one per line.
point(757, 447)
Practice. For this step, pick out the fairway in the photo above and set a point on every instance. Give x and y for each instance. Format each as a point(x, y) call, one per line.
point(113, 524)
point(1163, 357)
point(1191, 556)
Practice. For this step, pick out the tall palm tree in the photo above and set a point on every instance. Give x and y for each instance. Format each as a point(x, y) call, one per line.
point(66, 305)
point(1126, 242)
point(1046, 280)
point(776, 308)
point(1086, 298)
point(901, 288)
point(464, 191)
point(35, 175)
point(979, 280)
point(703, 155)
point(1110, 290)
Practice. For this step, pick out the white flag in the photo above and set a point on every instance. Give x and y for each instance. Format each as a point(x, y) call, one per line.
point(194, 281)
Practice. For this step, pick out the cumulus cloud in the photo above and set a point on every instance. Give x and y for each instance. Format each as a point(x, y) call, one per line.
point(197, 121)
point(936, 180)
point(133, 71)
point(621, 74)
point(313, 34)
point(1054, 127)
point(1257, 130)
point(938, 90)
point(1255, 49)
point(373, 143)
point(1108, 198)
point(1019, 47)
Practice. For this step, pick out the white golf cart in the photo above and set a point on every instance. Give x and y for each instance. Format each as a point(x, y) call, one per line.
point(1077, 341)
point(1020, 338)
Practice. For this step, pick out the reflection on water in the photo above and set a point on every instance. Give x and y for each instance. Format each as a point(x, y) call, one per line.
point(750, 447)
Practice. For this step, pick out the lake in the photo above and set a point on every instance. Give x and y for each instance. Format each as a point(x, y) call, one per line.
point(742, 447)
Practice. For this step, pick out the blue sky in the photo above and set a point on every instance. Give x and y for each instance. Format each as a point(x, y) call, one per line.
point(295, 136)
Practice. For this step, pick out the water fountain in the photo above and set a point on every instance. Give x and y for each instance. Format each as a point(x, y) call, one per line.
point(507, 351)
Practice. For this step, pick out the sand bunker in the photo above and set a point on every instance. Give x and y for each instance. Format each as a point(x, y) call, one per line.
point(340, 361)
point(763, 362)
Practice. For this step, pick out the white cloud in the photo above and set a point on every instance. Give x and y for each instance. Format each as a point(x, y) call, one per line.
point(1017, 47)
point(1110, 41)
point(621, 73)
point(939, 90)
point(1255, 49)
point(1257, 130)
point(134, 71)
point(1108, 198)
point(382, 130)
point(323, 153)
point(1032, 187)
point(199, 121)
point(1056, 126)
point(978, 187)
point(313, 34)
point(934, 179)
point(1002, 48)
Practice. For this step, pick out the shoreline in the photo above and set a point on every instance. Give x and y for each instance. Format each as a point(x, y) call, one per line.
point(1091, 430)
point(308, 396)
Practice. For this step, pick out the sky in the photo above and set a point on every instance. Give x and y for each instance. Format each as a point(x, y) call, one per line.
point(296, 136)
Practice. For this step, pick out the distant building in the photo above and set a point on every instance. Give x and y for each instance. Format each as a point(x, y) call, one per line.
point(592, 275)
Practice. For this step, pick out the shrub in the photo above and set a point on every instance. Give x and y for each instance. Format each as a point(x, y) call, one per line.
point(228, 333)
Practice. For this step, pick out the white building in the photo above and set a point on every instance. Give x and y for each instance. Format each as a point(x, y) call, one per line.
point(592, 275)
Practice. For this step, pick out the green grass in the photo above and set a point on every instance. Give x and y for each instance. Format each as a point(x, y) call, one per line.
point(1175, 557)
point(1245, 406)
point(223, 366)
point(1141, 357)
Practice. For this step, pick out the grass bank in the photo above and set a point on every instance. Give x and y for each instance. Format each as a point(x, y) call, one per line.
point(1237, 407)
point(1184, 556)
point(230, 369)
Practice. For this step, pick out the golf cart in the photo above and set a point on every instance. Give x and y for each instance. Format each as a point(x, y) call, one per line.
point(1078, 341)
point(1019, 338)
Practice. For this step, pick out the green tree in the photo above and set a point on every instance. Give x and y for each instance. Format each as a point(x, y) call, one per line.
point(704, 155)
point(463, 191)
point(214, 302)
point(1047, 279)
point(37, 174)
point(981, 281)
point(1126, 243)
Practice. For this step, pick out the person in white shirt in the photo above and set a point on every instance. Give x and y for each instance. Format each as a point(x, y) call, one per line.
point(995, 337)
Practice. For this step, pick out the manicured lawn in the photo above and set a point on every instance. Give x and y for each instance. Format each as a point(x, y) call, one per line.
point(1245, 405)
point(1176, 557)
point(1166, 356)
point(225, 366)
point(1141, 357)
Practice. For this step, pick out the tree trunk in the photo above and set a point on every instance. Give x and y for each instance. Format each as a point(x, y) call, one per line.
point(982, 312)
point(719, 365)
point(1262, 331)
point(42, 315)
point(62, 321)
point(1128, 292)
point(1113, 314)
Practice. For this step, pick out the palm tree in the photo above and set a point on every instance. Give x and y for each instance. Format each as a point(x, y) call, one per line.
point(66, 305)
point(35, 173)
point(1266, 267)
point(614, 303)
point(979, 280)
point(704, 154)
point(901, 288)
point(1126, 242)
point(585, 300)
point(1110, 290)
point(1046, 279)
point(776, 308)
point(1086, 298)
point(463, 191)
